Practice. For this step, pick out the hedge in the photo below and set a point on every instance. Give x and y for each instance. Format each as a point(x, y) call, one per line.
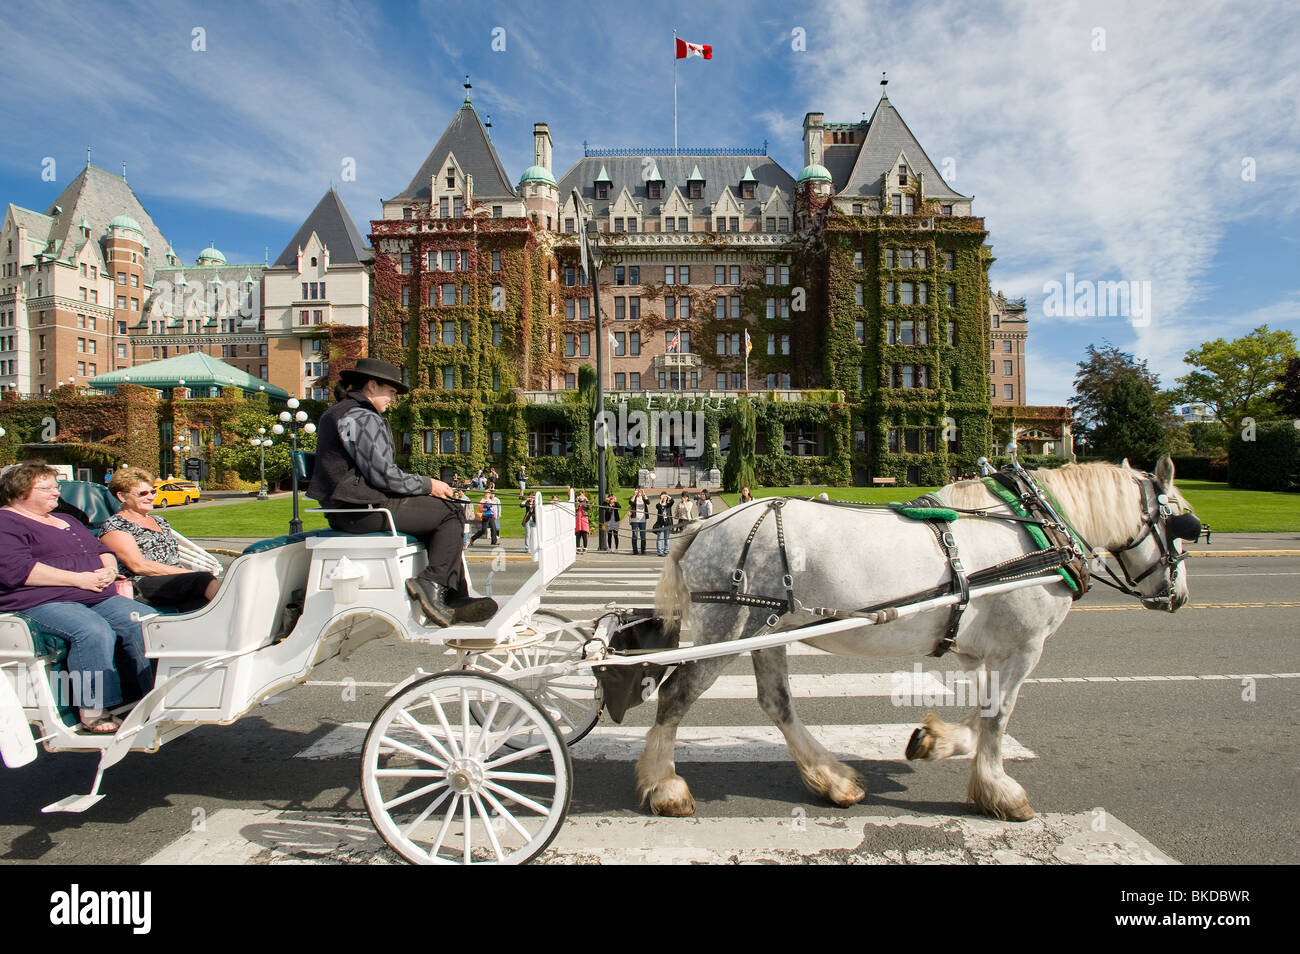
point(1270, 462)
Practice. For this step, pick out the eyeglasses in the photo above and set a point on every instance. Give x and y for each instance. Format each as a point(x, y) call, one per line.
point(142, 493)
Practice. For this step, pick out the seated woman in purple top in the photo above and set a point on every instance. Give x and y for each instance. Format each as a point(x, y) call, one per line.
point(58, 575)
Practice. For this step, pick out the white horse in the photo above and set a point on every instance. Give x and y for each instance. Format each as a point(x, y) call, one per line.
point(852, 558)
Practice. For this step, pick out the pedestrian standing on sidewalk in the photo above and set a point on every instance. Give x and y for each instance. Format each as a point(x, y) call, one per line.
point(683, 512)
point(663, 523)
point(522, 477)
point(530, 520)
point(706, 505)
point(582, 521)
point(745, 496)
point(638, 512)
point(610, 516)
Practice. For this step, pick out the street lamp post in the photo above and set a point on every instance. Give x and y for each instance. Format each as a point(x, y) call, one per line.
point(179, 450)
point(294, 421)
point(261, 442)
point(592, 252)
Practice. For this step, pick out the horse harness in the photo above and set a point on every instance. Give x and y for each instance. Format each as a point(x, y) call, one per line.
point(1064, 551)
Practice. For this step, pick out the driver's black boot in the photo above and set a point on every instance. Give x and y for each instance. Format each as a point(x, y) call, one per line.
point(432, 598)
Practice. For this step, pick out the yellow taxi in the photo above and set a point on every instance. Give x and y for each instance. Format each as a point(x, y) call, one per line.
point(167, 493)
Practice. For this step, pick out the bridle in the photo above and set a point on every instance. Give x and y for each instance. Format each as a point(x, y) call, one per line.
point(1163, 525)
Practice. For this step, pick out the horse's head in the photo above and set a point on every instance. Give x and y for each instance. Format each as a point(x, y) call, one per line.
point(1152, 555)
point(1139, 517)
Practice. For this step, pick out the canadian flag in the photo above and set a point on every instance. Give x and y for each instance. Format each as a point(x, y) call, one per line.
point(685, 49)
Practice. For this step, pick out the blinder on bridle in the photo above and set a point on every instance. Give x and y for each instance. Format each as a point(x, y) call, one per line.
point(1164, 526)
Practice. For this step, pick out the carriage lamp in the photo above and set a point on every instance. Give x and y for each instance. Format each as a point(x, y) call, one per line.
point(261, 442)
point(179, 450)
point(293, 421)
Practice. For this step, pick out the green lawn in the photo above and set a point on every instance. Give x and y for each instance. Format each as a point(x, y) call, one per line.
point(1223, 508)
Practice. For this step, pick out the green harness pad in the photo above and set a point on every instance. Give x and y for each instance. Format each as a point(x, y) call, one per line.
point(1035, 531)
point(924, 513)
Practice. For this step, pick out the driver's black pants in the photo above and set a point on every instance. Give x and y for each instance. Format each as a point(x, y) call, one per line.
point(437, 523)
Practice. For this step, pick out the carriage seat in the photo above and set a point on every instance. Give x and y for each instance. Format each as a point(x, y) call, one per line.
point(291, 538)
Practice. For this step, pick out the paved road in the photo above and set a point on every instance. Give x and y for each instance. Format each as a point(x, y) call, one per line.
point(1143, 737)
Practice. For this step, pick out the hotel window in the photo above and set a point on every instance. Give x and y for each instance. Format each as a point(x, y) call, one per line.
point(316, 317)
point(121, 277)
point(634, 381)
point(569, 308)
point(1006, 344)
point(620, 344)
point(443, 208)
point(719, 274)
point(720, 225)
point(784, 274)
point(920, 258)
point(620, 275)
point(952, 294)
point(670, 307)
point(457, 207)
point(945, 209)
point(1008, 392)
point(922, 293)
point(406, 300)
point(406, 334)
point(634, 307)
point(121, 301)
point(771, 381)
point(722, 382)
point(783, 224)
point(448, 294)
point(670, 275)
point(135, 304)
point(81, 369)
point(896, 204)
point(720, 308)
point(785, 344)
point(860, 386)
point(90, 347)
point(857, 259)
point(304, 317)
point(620, 381)
point(859, 332)
point(734, 274)
point(634, 274)
point(602, 190)
point(696, 189)
point(1006, 366)
point(570, 274)
point(771, 223)
point(620, 308)
point(634, 343)
point(448, 261)
point(584, 344)
point(771, 344)
point(464, 334)
point(857, 293)
point(683, 224)
point(406, 263)
point(907, 205)
point(496, 261)
point(464, 260)
point(498, 298)
point(121, 351)
point(449, 378)
point(670, 225)
point(135, 282)
point(905, 293)
point(584, 308)
point(997, 321)
point(952, 332)
point(769, 275)
point(857, 208)
point(905, 258)
point(496, 334)
point(449, 333)
point(631, 225)
point(81, 344)
point(568, 225)
point(771, 308)
point(570, 341)
point(949, 261)
point(618, 225)
point(570, 382)
point(735, 306)
point(735, 223)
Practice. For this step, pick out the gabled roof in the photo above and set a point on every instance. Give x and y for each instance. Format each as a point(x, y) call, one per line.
point(36, 225)
point(330, 221)
point(887, 136)
point(674, 172)
point(196, 369)
point(466, 137)
point(98, 197)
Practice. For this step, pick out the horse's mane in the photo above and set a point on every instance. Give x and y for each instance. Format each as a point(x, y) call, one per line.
point(1088, 493)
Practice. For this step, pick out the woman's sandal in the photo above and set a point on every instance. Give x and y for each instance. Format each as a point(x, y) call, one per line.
point(104, 725)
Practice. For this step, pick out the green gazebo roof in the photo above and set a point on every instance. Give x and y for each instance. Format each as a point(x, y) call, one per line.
point(196, 369)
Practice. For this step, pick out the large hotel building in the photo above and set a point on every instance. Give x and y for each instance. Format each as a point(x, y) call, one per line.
point(850, 301)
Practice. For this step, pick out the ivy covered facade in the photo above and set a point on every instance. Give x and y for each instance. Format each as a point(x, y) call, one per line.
point(849, 303)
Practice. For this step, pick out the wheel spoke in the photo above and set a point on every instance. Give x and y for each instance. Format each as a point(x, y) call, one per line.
point(487, 823)
point(486, 727)
point(469, 832)
point(515, 756)
point(510, 819)
point(410, 773)
point(420, 818)
point(446, 823)
point(413, 752)
point(442, 721)
point(520, 777)
point(410, 796)
point(508, 734)
point(514, 796)
point(423, 731)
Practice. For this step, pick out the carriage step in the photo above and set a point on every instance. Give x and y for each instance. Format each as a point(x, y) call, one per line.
point(74, 804)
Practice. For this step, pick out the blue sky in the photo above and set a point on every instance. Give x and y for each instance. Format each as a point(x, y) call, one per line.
point(1105, 140)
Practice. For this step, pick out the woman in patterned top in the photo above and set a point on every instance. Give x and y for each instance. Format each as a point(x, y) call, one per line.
point(144, 545)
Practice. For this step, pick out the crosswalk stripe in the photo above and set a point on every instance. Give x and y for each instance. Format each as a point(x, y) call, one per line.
point(880, 742)
point(269, 836)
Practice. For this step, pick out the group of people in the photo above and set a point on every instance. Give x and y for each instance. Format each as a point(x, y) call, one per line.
point(93, 591)
point(669, 516)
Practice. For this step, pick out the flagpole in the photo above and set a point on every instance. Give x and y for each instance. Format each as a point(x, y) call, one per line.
point(674, 92)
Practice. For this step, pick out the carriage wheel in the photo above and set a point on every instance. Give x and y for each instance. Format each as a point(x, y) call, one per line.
point(442, 787)
point(573, 701)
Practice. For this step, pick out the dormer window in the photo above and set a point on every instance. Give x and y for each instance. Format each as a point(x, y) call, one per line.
point(902, 175)
point(747, 190)
point(696, 190)
point(602, 190)
point(654, 190)
point(313, 261)
point(451, 177)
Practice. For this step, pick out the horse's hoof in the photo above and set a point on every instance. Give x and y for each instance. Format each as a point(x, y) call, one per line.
point(672, 797)
point(1018, 813)
point(920, 744)
point(847, 792)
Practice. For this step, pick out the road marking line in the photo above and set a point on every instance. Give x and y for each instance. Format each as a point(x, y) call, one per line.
point(1189, 606)
point(813, 834)
point(879, 742)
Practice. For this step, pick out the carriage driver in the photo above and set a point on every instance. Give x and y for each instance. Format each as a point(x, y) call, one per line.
point(354, 468)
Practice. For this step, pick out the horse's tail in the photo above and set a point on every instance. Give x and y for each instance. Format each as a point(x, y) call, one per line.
point(672, 598)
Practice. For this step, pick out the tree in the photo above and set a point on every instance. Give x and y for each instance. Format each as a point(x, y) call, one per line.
point(1234, 378)
point(741, 469)
point(1287, 394)
point(1096, 378)
point(1130, 424)
point(587, 441)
